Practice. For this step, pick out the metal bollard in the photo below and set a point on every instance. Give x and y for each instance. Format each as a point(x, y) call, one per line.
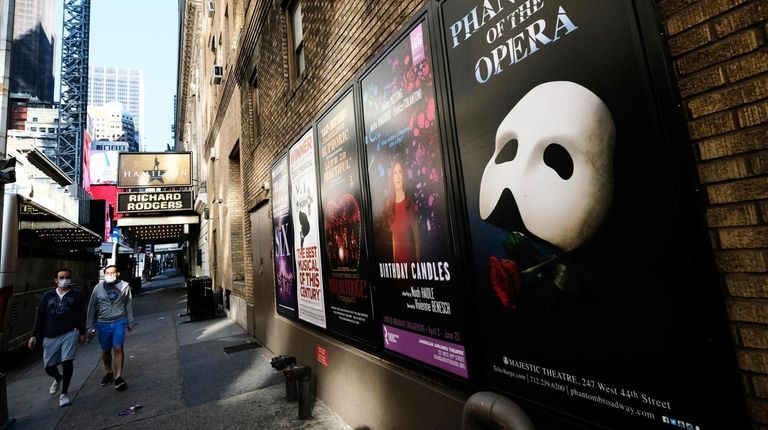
point(290, 383)
point(5, 420)
point(286, 363)
point(304, 375)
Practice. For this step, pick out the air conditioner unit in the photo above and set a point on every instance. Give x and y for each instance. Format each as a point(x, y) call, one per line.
point(211, 7)
point(217, 74)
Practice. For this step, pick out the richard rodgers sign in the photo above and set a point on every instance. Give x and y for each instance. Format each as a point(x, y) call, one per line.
point(154, 202)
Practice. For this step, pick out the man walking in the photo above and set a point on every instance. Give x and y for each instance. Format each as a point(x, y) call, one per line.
point(60, 322)
point(111, 311)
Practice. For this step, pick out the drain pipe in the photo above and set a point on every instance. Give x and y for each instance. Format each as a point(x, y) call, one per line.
point(485, 410)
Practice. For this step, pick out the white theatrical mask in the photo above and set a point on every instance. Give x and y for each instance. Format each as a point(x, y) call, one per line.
point(561, 174)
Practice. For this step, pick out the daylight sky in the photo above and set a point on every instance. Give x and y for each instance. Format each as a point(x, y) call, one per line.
point(137, 34)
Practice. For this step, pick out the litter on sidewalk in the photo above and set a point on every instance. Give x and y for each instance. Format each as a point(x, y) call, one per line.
point(129, 411)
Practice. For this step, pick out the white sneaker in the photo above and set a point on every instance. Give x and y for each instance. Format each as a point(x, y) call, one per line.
point(54, 387)
point(64, 400)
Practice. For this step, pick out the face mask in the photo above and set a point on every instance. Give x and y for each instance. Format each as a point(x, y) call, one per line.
point(64, 283)
point(110, 278)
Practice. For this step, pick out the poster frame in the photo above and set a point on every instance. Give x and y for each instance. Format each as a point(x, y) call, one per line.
point(310, 128)
point(702, 286)
point(428, 16)
point(349, 89)
point(283, 154)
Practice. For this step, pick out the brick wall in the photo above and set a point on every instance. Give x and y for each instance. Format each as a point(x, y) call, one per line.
point(339, 37)
point(720, 59)
point(337, 46)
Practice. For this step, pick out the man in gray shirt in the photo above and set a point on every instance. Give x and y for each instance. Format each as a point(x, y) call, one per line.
point(110, 310)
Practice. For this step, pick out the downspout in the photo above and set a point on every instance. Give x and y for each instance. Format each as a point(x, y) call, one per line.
point(485, 410)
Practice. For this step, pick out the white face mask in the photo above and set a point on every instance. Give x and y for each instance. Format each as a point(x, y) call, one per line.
point(110, 278)
point(64, 283)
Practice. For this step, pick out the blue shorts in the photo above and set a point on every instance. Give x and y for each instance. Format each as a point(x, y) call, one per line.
point(112, 334)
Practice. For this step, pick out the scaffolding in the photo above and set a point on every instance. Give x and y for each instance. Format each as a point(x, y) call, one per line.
point(73, 115)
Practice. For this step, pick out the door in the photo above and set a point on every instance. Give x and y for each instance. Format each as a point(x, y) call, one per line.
point(263, 270)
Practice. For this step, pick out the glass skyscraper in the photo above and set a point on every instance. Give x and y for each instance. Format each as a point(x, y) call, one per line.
point(115, 84)
point(33, 46)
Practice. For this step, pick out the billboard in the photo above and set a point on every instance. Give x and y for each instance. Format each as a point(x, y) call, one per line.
point(154, 202)
point(582, 285)
point(154, 169)
point(349, 290)
point(418, 295)
point(102, 167)
point(306, 232)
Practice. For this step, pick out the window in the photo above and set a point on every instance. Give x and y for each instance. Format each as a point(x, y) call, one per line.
point(297, 63)
point(32, 128)
point(34, 119)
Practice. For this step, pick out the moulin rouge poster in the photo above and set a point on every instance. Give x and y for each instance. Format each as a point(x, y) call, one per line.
point(582, 285)
point(306, 232)
point(348, 288)
point(418, 295)
point(285, 281)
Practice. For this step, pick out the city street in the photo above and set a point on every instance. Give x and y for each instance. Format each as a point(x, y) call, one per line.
point(177, 370)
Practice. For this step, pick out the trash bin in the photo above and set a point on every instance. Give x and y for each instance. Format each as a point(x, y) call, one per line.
point(200, 303)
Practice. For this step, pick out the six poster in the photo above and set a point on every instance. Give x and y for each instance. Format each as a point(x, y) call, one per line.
point(285, 281)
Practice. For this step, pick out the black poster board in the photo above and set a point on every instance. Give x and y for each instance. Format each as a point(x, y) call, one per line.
point(348, 290)
point(583, 282)
point(417, 292)
point(285, 279)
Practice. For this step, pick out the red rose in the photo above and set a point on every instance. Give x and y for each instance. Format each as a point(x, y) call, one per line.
point(505, 278)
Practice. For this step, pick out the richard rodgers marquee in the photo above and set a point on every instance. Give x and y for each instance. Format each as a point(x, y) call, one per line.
point(153, 202)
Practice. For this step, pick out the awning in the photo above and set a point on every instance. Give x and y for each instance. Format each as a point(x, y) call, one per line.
point(158, 229)
point(106, 248)
point(49, 226)
point(158, 220)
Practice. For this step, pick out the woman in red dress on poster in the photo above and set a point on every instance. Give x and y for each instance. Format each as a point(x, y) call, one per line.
point(401, 214)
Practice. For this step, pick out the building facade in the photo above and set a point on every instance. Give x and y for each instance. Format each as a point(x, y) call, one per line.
point(115, 84)
point(35, 122)
point(285, 103)
point(33, 46)
point(113, 122)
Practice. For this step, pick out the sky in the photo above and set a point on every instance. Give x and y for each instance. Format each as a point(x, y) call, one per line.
point(137, 34)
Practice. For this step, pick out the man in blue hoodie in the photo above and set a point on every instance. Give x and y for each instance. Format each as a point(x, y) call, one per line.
point(110, 310)
point(60, 322)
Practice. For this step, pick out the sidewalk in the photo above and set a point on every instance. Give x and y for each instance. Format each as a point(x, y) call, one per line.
point(181, 375)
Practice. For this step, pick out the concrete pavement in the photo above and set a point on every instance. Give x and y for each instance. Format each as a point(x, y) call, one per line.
point(178, 371)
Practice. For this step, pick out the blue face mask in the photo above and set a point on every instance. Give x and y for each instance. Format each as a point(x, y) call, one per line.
point(110, 278)
point(64, 283)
